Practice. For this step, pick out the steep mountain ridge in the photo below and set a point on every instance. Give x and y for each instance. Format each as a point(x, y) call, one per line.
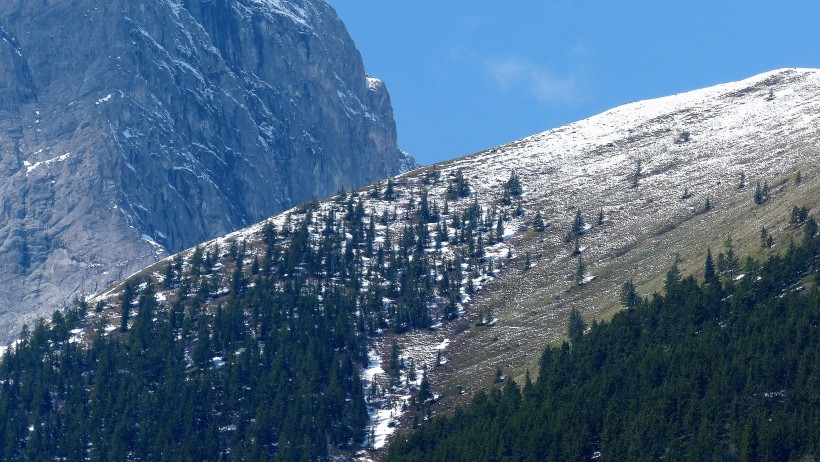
point(135, 129)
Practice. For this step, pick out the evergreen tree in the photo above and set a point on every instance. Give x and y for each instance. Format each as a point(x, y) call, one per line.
point(575, 326)
point(458, 187)
point(728, 262)
point(629, 295)
point(707, 206)
point(389, 191)
point(519, 210)
point(538, 222)
point(766, 240)
point(709, 275)
point(578, 224)
point(395, 361)
point(636, 176)
point(168, 280)
point(798, 215)
point(425, 393)
point(125, 305)
point(513, 185)
point(759, 198)
point(580, 271)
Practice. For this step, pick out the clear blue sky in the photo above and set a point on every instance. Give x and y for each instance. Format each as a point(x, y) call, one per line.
point(466, 75)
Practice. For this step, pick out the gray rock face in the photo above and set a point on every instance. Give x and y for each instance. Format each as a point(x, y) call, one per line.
point(134, 128)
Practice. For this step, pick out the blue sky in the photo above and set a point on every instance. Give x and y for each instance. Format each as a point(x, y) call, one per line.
point(469, 75)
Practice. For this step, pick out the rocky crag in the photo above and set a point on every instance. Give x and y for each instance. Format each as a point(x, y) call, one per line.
point(133, 129)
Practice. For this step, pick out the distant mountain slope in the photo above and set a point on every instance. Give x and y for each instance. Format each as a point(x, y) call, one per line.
point(129, 129)
point(437, 258)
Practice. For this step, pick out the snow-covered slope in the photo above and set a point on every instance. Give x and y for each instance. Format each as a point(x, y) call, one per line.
point(648, 167)
point(735, 127)
point(690, 147)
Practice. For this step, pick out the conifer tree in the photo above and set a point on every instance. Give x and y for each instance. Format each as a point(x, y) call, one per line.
point(707, 206)
point(499, 375)
point(458, 187)
point(513, 185)
point(575, 326)
point(766, 240)
point(709, 268)
point(538, 222)
point(389, 191)
point(580, 271)
point(758, 194)
point(636, 176)
point(578, 223)
point(728, 262)
point(395, 361)
point(519, 210)
point(125, 305)
point(629, 296)
point(168, 280)
point(425, 393)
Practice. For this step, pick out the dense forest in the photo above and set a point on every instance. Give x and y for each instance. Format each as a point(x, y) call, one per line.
point(723, 369)
point(248, 350)
point(252, 381)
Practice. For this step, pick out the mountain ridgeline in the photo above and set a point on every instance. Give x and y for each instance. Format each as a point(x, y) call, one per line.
point(130, 130)
point(321, 331)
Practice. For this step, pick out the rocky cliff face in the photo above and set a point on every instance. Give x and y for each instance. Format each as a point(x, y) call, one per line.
point(134, 128)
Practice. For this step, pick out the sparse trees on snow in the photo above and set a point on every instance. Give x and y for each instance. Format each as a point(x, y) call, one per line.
point(538, 222)
point(766, 239)
point(761, 193)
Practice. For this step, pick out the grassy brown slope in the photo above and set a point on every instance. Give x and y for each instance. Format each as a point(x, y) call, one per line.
point(532, 306)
